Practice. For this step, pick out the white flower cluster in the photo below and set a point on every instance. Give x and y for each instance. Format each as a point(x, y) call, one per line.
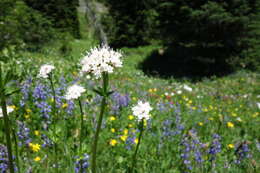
point(74, 92)
point(45, 70)
point(9, 109)
point(142, 110)
point(101, 59)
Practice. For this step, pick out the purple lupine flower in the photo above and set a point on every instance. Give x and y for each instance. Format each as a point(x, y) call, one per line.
point(185, 155)
point(85, 164)
point(215, 147)
point(40, 92)
point(23, 134)
point(25, 89)
point(242, 152)
point(130, 141)
point(4, 160)
point(120, 101)
point(45, 109)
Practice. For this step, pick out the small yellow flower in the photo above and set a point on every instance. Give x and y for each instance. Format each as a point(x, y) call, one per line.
point(190, 102)
point(233, 114)
point(113, 142)
point(74, 73)
point(136, 141)
point(230, 124)
point(194, 108)
point(200, 123)
point(65, 105)
point(52, 100)
point(131, 117)
point(210, 118)
point(130, 125)
point(26, 116)
point(112, 118)
point(231, 146)
point(36, 132)
point(205, 110)
point(155, 89)
point(28, 110)
point(125, 132)
point(37, 159)
point(113, 130)
point(123, 138)
point(150, 90)
point(34, 147)
point(13, 107)
point(134, 98)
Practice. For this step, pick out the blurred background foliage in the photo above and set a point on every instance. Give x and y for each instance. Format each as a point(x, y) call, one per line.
point(213, 34)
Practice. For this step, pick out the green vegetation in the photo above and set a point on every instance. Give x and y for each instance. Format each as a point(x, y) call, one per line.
point(199, 123)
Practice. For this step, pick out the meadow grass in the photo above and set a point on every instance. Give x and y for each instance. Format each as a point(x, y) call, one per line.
point(207, 126)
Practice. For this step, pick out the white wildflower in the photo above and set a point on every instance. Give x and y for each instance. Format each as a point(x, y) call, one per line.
point(74, 92)
point(9, 109)
point(142, 110)
point(101, 59)
point(258, 105)
point(45, 70)
point(187, 88)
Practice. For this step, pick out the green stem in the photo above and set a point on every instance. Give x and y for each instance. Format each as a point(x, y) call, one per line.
point(54, 121)
point(137, 147)
point(81, 132)
point(102, 111)
point(6, 124)
point(16, 151)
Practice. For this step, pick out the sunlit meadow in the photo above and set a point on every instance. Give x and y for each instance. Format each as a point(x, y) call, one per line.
point(208, 126)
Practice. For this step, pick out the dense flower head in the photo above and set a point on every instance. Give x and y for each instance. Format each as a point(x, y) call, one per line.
point(45, 70)
point(74, 92)
point(101, 59)
point(142, 110)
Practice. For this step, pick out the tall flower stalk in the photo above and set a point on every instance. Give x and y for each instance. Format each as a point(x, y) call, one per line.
point(99, 62)
point(141, 125)
point(6, 122)
point(142, 112)
point(74, 92)
point(105, 94)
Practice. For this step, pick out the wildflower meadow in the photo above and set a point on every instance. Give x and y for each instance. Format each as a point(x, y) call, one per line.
point(77, 104)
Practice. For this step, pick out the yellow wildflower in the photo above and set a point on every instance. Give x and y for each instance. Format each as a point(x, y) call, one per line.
point(113, 130)
point(26, 116)
point(210, 118)
point(233, 114)
point(200, 123)
point(123, 138)
point(34, 147)
point(37, 159)
point(231, 146)
point(112, 142)
point(155, 89)
point(134, 98)
point(13, 107)
point(136, 141)
point(230, 124)
point(28, 110)
point(37, 133)
point(150, 90)
point(112, 118)
point(65, 105)
point(130, 125)
point(131, 117)
point(125, 131)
